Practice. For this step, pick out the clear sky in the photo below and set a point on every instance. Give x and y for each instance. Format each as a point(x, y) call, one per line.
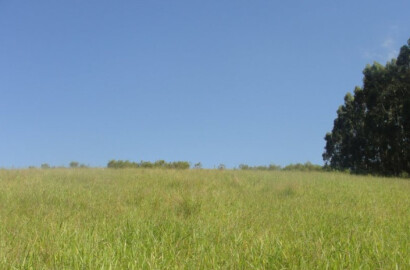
point(231, 82)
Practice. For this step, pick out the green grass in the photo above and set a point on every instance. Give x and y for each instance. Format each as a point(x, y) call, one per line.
point(201, 219)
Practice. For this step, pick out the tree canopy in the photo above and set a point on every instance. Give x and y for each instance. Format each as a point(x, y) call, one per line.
point(371, 133)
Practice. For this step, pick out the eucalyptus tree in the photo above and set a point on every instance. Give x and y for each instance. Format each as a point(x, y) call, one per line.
point(372, 130)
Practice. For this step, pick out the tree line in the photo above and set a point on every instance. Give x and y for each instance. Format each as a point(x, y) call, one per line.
point(72, 164)
point(122, 164)
point(371, 133)
point(308, 166)
point(119, 164)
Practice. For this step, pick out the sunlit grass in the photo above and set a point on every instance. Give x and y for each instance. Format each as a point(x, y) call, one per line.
point(155, 219)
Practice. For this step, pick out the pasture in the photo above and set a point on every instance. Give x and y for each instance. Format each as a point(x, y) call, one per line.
point(202, 219)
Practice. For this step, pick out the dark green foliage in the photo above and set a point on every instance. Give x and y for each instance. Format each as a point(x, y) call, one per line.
point(74, 164)
point(371, 133)
point(119, 164)
point(45, 166)
point(273, 167)
point(178, 165)
point(244, 167)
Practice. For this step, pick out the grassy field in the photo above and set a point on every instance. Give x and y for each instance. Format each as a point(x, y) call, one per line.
point(201, 219)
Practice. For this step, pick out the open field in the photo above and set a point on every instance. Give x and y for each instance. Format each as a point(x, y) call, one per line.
point(201, 219)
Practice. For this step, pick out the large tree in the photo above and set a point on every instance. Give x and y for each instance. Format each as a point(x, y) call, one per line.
point(371, 133)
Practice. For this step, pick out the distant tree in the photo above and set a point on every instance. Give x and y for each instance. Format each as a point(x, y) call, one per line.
point(179, 165)
point(45, 166)
point(198, 165)
point(244, 167)
point(221, 167)
point(146, 164)
point(160, 164)
point(111, 164)
point(274, 167)
point(74, 164)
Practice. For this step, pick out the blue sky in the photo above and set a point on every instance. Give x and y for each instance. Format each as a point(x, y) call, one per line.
point(231, 82)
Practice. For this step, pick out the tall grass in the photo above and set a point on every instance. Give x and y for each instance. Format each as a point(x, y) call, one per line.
point(206, 219)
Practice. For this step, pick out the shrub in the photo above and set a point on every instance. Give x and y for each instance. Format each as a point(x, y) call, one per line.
point(74, 164)
point(221, 167)
point(45, 166)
